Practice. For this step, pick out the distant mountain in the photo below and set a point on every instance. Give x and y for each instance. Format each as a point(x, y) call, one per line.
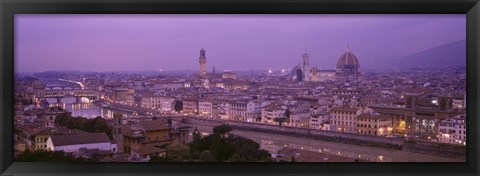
point(447, 55)
point(451, 54)
point(378, 62)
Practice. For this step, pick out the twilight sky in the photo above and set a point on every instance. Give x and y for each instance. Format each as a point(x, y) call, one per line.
point(172, 42)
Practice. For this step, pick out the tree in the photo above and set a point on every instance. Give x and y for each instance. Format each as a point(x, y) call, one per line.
point(251, 155)
point(222, 130)
point(62, 119)
point(157, 158)
point(228, 147)
point(220, 148)
point(206, 156)
point(280, 120)
point(196, 135)
point(51, 156)
point(95, 125)
point(178, 152)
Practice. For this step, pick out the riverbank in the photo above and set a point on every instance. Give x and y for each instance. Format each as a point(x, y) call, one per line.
point(274, 142)
point(355, 139)
point(339, 140)
point(429, 148)
point(102, 104)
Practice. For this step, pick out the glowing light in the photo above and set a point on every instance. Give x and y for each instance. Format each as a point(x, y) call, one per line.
point(380, 157)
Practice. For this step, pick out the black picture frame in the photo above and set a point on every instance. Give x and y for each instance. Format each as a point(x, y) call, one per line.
point(8, 8)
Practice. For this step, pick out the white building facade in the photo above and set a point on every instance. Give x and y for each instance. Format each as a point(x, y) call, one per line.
point(73, 143)
point(453, 130)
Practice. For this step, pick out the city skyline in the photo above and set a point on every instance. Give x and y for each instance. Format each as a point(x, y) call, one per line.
point(232, 42)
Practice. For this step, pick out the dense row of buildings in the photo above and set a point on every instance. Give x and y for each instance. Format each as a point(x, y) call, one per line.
point(133, 140)
point(426, 104)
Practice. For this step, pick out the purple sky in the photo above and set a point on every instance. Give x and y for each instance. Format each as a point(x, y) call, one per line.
point(172, 42)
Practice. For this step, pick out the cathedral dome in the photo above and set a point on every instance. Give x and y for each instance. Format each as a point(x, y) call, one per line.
point(348, 60)
point(305, 55)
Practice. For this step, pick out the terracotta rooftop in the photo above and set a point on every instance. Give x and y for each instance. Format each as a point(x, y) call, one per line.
point(153, 125)
point(372, 116)
point(74, 139)
point(345, 109)
point(147, 150)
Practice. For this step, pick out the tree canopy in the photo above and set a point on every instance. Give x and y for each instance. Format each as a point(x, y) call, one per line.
point(229, 147)
point(221, 146)
point(51, 156)
point(95, 125)
point(222, 130)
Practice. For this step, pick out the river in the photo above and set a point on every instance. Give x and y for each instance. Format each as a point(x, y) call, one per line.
point(274, 142)
point(84, 107)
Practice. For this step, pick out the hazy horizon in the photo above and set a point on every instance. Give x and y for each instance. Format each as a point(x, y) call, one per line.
point(232, 42)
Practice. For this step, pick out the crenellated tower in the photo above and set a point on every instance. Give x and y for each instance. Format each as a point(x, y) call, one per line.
point(203, 61)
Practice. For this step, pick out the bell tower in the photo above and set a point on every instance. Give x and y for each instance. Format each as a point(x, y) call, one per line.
point(203, 61)
point(306, 66)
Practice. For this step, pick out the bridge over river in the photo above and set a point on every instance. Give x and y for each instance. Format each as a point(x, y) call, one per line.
point(77, 93)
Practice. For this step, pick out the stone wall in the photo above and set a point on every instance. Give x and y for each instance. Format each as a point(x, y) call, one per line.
point(434, 148)
point(318, 134)
point(417, 146)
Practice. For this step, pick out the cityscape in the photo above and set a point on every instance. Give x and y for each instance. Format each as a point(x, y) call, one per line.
point(305, 108)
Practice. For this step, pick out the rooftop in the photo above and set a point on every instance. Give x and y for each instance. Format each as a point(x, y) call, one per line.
point(74, 139)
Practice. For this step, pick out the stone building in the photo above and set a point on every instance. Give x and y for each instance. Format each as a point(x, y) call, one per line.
point(347, 70)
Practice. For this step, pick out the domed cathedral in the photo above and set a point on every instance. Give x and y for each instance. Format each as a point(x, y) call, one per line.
point(348, 67)
point(347, 70)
